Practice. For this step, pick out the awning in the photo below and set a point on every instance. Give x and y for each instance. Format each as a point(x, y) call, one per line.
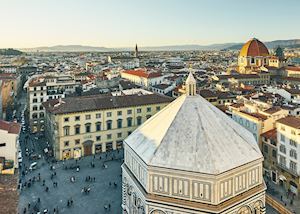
point(281, 177)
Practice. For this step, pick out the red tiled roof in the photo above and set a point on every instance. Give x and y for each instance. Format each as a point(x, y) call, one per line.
point(10, 127)
point(271, 134)
point(256, 115)
point(290, 121)
point(143, 73)
point(292, 68)
point(272, 110)
point(254, 47)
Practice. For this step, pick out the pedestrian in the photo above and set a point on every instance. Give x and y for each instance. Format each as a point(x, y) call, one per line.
point(28, 205)
point(71, 201)
point(94, 179)
point(281, 198)
point(68, 204)
point(47, 189)
point(109, 183)
point(108, 206)
point(54, 173)
point(38, 200)
point(24, 211)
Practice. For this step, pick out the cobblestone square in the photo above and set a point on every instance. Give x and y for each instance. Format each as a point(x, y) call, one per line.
point(105, 190)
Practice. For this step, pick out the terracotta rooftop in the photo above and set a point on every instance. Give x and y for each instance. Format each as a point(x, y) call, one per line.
point(95, 102)
point(271, 134)
point(290, 121)
point(254, 47)
point(10, 127)
point(273, 110)
point(256, 115)
point(292, 68)
point(143, 73)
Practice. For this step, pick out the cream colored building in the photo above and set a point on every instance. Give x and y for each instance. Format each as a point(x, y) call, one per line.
point(42, 89)
point(78, 126)
point(288, 148)
point(9, 141)
point(192, 158)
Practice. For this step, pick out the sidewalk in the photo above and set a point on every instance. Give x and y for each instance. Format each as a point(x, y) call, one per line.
point(278, 193)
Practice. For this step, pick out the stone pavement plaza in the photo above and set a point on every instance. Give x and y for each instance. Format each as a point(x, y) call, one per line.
point(101, 192)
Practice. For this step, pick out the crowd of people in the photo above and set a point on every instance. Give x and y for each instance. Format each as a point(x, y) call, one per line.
point(44, 180)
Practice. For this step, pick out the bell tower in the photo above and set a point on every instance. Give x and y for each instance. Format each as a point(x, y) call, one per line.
point(190, 85)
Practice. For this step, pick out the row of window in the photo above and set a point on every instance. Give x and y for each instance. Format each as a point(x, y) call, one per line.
point(35, 100)
point(36, 115)
point(109, 114)
point(98, 138)
point(293, 152)
point(266, 150)
point(293, 165)
point(98, 125)
point(293, 132)
point(292, 142)
point(42, 88)
point(42, 94)
point(35, 108)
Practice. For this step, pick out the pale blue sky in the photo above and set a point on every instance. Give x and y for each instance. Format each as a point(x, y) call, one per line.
point(120, 23)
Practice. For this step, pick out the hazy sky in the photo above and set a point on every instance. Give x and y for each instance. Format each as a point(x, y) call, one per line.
point(120, 23)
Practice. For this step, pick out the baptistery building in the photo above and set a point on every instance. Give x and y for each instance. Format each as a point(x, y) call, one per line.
point(192, 158)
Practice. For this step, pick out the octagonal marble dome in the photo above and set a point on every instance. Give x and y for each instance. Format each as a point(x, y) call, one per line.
point(191, 134)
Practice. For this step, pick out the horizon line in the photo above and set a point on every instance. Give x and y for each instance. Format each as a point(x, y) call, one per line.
point(148, 46)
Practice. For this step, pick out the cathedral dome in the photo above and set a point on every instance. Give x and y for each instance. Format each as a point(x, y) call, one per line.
point(191, 134)
point(253, 48)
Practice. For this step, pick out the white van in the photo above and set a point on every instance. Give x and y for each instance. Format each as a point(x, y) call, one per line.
point(33, 166)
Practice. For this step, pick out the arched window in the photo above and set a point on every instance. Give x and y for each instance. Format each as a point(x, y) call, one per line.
point(257, 207)
point(244, 210)
point(98, 126)
point(119, 122)
point(157, 212)
point(34, 115)
point(77, 129)
point(88, 127)
point(66, 130)
point(139, 120)
point(109, 125)
point(42, 114)
point(129, 121)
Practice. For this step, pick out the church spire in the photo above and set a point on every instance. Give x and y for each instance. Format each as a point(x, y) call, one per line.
point(136, 52)
point(190, 85)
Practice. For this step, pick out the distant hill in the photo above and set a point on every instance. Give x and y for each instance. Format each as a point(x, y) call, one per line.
point(224, 46)
point(81, 48)
point(67, 48)
point(10, 51)
point(291, 43)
